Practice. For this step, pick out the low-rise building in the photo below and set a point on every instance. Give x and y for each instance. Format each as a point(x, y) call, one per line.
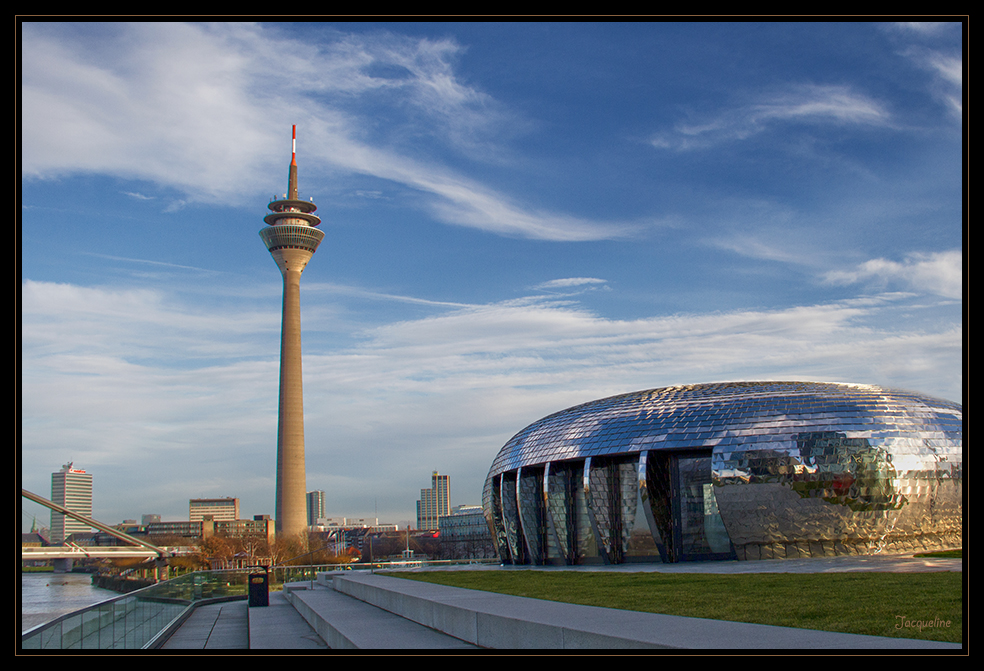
point(464, 534)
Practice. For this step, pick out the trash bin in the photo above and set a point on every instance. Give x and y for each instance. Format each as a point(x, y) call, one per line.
point(259, 589)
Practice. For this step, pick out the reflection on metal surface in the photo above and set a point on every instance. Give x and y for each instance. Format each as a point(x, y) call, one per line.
point(562, 528)
point(510, 518)
point(743, 470)
point(531, 516)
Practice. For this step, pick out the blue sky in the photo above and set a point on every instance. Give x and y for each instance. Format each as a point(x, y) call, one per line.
point(519, 217)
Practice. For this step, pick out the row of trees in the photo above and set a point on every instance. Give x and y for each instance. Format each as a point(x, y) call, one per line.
point(228, 552)
point(391, 544)
point(283, 550)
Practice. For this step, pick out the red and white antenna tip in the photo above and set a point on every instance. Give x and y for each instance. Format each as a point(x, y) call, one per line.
point(293, 144)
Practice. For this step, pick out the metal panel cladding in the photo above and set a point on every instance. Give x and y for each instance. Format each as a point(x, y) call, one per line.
point(742, 470)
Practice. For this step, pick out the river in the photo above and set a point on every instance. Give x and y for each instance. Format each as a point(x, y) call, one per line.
point(45, 596)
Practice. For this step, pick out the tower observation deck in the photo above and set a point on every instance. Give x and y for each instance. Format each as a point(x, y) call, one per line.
point(291, 222)
point(292, 238)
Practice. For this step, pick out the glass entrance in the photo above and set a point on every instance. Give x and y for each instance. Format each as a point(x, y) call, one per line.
point(684, 507)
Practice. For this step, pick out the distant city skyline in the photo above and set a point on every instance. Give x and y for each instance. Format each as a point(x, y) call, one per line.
point(518, 216)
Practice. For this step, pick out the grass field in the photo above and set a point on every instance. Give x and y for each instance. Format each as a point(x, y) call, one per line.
point(904, 605)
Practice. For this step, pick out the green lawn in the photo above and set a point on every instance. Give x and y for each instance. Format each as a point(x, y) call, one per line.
point(878, 604)
point(944, 554)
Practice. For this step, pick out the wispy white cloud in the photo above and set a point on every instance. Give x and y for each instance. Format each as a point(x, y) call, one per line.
point(949, 68)
point(928, 28)
point(571, 282)
point(201, 109)
point(807, 103)
point(461, 201)
point(148, 262)
point(361, 292)
point(947, 76)
point(100, 376)
point(939, 273)
point(135, 324)
point(921, 48)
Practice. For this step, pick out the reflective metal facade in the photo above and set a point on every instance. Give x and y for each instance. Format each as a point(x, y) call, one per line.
point(745, 470)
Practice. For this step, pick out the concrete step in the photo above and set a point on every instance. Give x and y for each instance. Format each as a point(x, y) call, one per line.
point(278, 626)
point(345, 623)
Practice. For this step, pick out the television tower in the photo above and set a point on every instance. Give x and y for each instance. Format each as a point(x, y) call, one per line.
point(292, 239)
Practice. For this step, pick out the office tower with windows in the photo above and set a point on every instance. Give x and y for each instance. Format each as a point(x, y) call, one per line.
point(72, 488)
point(218, 509)
point(435, 502)
point(315, 507)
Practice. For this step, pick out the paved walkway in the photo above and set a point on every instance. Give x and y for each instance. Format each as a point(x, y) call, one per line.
point(234, 626)
point(218, 626)
point(229, 626)
point(280, 627)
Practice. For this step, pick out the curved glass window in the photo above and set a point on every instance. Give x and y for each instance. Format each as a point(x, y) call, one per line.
point(292, 236)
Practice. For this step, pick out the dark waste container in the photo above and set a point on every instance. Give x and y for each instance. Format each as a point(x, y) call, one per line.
point(259, 589)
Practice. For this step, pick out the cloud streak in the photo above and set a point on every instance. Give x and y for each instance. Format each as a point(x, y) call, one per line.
point(469, 376)
point(939, 273)
point(201, 108)
point(807, 103)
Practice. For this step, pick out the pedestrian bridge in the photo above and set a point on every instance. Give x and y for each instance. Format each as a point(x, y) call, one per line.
point(139, 547)
point(73, 551)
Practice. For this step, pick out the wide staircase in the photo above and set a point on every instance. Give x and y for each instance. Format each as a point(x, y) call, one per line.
point(356, 609)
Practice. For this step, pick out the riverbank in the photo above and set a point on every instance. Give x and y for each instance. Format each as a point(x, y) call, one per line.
point(121, 585)
point(46, 595)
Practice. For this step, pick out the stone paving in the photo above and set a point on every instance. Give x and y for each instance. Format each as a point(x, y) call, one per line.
point(219, 626)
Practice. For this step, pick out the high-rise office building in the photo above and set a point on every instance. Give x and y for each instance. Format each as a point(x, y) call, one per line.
point(292, 239)
point(435, 502)
point(72, 488)
point(315, 507)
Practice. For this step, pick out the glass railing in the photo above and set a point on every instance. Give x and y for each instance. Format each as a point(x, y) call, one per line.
point(145, 617)
point(138, 619)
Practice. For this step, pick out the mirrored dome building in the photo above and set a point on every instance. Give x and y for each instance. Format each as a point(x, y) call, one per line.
point(739, 470)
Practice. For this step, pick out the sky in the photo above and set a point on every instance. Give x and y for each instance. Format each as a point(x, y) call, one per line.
point(519, 217)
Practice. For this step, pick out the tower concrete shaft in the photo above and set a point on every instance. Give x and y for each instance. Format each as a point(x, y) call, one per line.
point(292, 239)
